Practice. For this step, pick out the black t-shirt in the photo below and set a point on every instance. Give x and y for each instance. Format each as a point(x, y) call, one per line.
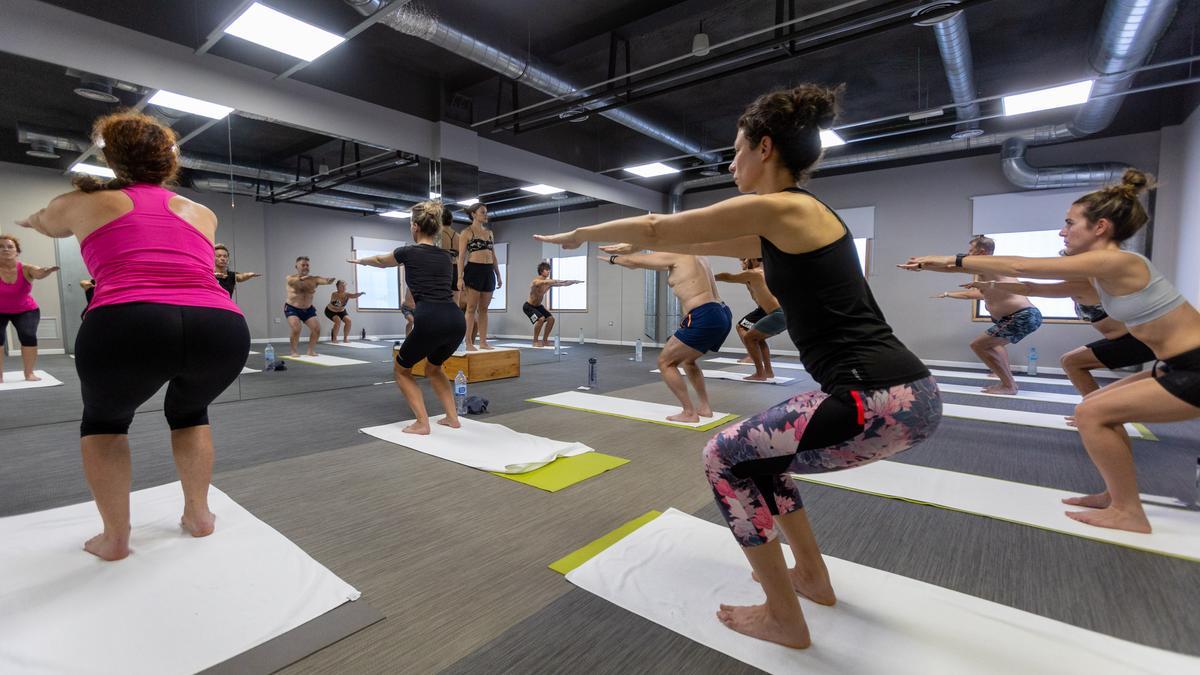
point(229, 281)
point(833, 319)
point(428, 271)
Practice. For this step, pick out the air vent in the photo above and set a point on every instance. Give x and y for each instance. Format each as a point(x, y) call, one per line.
point(42, 150)
point(935, 12)
point(96, 88)
point(574, 115)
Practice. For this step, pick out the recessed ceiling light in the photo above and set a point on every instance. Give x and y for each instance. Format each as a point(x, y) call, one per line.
point(94, 170)
point(651, 170)
point(187, 104)
point(1046, 99)
point(468, 202)
point(540, 189)
point(830, 139)
point(275, 30)
point(396, 214)
point(926, 114)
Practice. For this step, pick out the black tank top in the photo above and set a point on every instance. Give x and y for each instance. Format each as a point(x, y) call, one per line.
point(832, 318)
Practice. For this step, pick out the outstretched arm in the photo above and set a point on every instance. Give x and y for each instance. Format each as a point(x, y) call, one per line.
point(961, 295)
point(34, 272)
point(381, 260)
point(1063, 289)
point(246, 276)
point(87, 284)
point(54, 220)
point(740, 247)
point(734, 277)
point(325, 281)
point(1107, 264)
point(641, 261)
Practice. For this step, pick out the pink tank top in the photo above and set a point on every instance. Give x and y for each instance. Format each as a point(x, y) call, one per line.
point(15, 298)
point(152, 255)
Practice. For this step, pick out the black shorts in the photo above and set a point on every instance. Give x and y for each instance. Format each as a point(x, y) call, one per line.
point(535, 312)
point(752, 318)
point(1121, 352)
point(1180, 375)
point(303, 314)
point(438, 330)
point(26, 324)
point(125, 353)
point(329, 314)
point(480, 277)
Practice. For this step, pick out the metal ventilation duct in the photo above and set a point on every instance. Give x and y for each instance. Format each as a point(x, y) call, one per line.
point(954, 44)
point(540, 206)
point(421, 25)
point(1020, 173)
point(247, 188)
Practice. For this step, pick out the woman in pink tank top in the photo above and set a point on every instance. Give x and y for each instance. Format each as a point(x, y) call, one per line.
point(17, 305)
point(158, 317)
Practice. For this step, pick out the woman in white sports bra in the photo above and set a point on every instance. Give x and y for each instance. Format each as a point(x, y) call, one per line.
point(1132, 291)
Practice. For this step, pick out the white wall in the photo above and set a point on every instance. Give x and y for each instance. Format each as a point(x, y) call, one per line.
point(1177, 235)
point(926, 209)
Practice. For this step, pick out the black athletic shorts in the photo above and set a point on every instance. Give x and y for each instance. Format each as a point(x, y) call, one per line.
point(752, 318)
point(125, 353)
point(480, 277)
point(535, 312)
point(1121, 352)
point(438, 330)
point(26, 324)
point(1180, 375)
point(329, 314)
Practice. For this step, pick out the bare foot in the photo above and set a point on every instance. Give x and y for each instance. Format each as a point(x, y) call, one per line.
point(484, 345)
point(452, 423)
point(471, 348)
point(106, 547)
point(1100, 500)
point(421, 428)
point(199, 525)
point(999, 389)
point(311, 354)
point(294, 355)
point(1070, 420)
point(819, 590)
point(705, 411)
point(1113, 519)
point(756, 621)
point(770, 374)
point(745, 359)
point(755, 378)
point(684, 417)
point(30, 377)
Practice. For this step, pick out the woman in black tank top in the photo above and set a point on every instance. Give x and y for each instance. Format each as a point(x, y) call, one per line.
point(876, 397)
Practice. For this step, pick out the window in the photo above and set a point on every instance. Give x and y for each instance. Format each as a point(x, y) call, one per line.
point(381, 286)
point(569, 297)
point(863, 246)
point(500, 297)
point(1036, 244)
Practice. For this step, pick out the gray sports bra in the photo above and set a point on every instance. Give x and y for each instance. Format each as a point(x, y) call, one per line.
point(1156, 299)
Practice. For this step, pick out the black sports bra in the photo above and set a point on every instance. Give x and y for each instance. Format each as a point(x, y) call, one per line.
point(474, 245)
point(1090, 313)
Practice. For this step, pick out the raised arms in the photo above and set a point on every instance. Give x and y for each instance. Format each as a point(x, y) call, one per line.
point(246, 276)
point(1062, 289)
point(642, 261)
point(33, 272)
point(381, 260)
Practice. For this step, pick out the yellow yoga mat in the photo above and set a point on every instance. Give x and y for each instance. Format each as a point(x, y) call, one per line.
point(566, 471)
point(572, 560)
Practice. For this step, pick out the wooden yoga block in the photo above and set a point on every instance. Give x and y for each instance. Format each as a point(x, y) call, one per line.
point(480, 366)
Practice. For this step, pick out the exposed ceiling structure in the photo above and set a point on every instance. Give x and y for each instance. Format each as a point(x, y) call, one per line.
point(663, 94)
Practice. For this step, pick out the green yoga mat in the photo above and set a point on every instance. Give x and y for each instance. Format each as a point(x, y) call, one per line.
point(566, 471)
point(572, 560)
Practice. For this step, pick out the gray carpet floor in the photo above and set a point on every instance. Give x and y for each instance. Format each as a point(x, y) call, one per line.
point(456, 558)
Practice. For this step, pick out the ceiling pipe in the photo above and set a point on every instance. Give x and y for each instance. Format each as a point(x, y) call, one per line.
point(954, 45)
point(1019, 172)
point(250, 189)
point(420, 24)
point(541, 206)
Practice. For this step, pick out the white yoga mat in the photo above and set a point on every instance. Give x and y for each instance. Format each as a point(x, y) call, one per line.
point(1176, 530)
point(676, 571)
point(1028, 419)
point(774, 364)
point(356, 345)
point(325, 360)
point(15, 379)
point(1046, 396)
point(517, 345)
point(176, 605)
point(645, 411)
point(249, 371)
point(488, 447)
point(737, 377)
point(1024, 379)
point(1099, 372)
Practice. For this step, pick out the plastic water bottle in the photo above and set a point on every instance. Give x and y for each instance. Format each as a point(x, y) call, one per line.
point(591, 380)
point(460, 393)
point(580, 336)
point(637, 350)
point(557, 346)
point(1032, 367)
point(364, 333)
point(269, 357)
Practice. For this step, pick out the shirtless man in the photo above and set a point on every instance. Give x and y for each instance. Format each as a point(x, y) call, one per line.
point(225, 276)
point(764, 322)
point(1013, 318)
point(535, 309)
point(299, 306)
point(705, 325)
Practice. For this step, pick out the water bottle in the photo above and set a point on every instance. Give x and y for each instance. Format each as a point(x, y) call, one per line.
point(580, 336)
point(557, 346)
point(591, 380)
point(460, 393)
point(637, 350)
point(364, 333)
point(1032, 367)
point(269, 357)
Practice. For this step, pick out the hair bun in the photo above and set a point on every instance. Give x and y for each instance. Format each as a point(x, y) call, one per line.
point(816, 105)
point(1134, 182)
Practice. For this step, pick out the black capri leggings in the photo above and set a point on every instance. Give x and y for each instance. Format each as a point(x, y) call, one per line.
point(438, 329)
point(125, 353)
point(26, 324)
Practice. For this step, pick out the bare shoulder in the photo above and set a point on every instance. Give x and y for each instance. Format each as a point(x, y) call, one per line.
point(191, 211)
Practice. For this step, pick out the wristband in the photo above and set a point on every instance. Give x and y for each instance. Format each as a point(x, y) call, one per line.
point(958, 259)
point(612, 260)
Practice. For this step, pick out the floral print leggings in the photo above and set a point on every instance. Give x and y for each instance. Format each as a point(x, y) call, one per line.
point(748, 465)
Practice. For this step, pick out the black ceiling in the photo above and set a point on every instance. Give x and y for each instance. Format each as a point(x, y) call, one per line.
point(1016, 44)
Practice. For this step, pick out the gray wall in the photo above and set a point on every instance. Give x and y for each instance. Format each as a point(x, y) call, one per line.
point(1177, 235)
point(926, 209)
